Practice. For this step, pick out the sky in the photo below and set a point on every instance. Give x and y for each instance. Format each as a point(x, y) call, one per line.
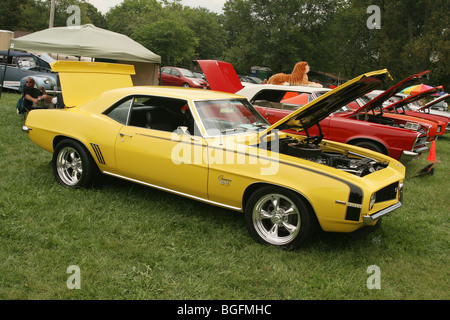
point(213, 5)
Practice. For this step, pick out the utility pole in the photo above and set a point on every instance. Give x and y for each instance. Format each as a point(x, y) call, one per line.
point(52, 14)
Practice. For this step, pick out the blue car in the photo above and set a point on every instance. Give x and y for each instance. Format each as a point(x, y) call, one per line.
point(22, 65)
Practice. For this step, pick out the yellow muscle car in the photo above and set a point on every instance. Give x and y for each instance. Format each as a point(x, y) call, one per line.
point(216, 148)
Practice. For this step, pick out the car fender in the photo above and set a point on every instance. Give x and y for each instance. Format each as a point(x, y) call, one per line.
point(46, 81)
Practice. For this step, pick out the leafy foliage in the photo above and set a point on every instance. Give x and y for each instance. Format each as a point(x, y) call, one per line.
point(332, 35)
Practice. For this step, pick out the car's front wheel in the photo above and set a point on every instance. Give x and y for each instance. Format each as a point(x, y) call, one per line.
point(371, 146)
point(72, 164)
point(279, 217)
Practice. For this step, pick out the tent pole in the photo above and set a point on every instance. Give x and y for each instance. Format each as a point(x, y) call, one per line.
point(52, 14)
point(4, 72)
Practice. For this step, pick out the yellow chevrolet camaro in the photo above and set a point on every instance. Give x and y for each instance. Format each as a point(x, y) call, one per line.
point(216, 148)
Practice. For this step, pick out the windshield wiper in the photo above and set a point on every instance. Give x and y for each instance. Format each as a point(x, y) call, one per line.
point(260, 124)
point(232, 130)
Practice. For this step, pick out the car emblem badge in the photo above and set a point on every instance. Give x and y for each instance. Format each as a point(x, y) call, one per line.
point(224, 181)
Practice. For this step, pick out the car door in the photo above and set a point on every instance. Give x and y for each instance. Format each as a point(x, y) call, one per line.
point(166, 76)
point(176, 78)
point(158, 156)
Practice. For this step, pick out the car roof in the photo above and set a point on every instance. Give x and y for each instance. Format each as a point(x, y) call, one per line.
point(15, 53)
point(175, 92)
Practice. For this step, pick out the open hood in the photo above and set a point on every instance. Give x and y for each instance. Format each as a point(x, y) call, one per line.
point(220, 75)
point(378, 101)
point(412, 98)
point(318, 109)
point(432, 103)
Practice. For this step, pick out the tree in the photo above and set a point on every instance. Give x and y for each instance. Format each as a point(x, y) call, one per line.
point(332, 35)
point(170, 39)
point(33, 15)
point(131, 15)
point(277, 34)
point(178, 34)
point(207, 29)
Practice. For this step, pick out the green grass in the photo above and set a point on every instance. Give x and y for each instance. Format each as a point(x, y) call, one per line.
point(133, 242)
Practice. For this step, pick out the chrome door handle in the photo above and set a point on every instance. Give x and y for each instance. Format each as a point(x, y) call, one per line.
point(124, 134)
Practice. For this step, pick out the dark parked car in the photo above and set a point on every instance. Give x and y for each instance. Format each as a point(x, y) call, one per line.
point(179, 77)
point(21, 65)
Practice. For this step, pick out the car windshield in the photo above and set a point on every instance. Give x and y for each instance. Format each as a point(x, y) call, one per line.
point(26, 62)
point(187, 73)
point(229, 116)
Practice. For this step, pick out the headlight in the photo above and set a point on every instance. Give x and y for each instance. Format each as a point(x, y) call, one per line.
point(439, 129)
point(46, 81)
point(373, 199)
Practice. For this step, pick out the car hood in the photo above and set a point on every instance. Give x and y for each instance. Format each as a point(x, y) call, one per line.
point(220, 75)
point(412, 98)
point(432, 103)
point(201, 81)
point(378, 101)
point(318, 109)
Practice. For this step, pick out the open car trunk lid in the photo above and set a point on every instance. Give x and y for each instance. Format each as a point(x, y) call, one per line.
point(81, 81)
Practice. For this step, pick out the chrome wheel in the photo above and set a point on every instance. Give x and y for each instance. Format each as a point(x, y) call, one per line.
point(276, 219)
point(69, 166)
point(280, 217)
point(73, 165)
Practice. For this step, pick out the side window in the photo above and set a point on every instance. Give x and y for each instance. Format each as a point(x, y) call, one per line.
point(166, 70)
point(161, 113)
point(281, 99)
point(176, 73)
point(120, 111)
point(152, 112)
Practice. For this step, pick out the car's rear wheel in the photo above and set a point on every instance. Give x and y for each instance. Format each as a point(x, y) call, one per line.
point(72, 164)
point(279, 217)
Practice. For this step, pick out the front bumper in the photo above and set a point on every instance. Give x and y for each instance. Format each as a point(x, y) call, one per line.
point(409, 155)
point(371, 218)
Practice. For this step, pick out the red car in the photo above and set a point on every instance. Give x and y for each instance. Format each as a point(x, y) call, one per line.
point(398, 143)
point(179, 77)
point(272, 101)
point(401, 107)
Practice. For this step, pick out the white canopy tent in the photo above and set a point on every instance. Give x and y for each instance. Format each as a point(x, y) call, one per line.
point(90, 41)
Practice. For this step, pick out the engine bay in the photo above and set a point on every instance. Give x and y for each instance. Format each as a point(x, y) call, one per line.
point(322, 153)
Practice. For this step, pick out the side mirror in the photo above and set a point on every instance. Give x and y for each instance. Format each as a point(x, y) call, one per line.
point(181, 130)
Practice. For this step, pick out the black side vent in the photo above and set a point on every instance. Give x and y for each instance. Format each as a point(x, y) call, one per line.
point(98, 153)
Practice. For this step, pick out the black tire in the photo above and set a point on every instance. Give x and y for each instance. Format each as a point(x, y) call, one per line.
point(186, 85)
point(73, 165)
point(370, 145)
point(279, 217)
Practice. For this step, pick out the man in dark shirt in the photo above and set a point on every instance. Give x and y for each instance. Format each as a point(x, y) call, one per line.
point(36, 98)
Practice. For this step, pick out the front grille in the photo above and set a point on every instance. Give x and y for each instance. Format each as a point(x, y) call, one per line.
point(420, 142)
point(387, 193)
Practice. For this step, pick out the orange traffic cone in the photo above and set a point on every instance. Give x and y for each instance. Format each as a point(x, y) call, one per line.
point(432, 153)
